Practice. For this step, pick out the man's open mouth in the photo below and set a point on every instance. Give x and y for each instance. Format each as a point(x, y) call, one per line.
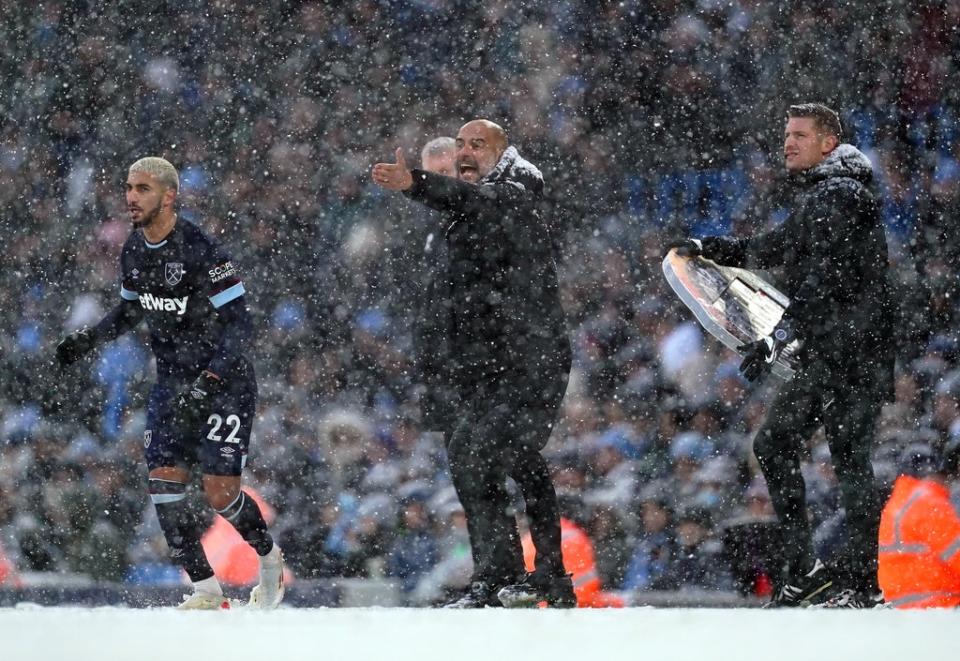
point(466, 168)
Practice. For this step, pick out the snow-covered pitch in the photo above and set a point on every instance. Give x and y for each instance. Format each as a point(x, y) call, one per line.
point(390, 634)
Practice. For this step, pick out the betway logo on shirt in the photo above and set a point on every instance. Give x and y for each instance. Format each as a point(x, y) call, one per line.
point(151, 302)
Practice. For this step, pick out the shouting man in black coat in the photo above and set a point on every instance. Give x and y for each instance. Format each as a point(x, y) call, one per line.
point(509, 356)
point(833, 254)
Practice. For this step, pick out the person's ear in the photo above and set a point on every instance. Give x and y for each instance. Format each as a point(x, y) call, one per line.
point(829, 143)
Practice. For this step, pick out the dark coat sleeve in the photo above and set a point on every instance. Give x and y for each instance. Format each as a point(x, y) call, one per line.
point(510, 205)
point(123, 317)
point(762, 251)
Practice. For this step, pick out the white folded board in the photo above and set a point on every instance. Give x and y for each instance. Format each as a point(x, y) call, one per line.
point(734, 305)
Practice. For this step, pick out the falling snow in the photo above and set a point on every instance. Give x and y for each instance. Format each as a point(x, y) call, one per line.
point(649, 121)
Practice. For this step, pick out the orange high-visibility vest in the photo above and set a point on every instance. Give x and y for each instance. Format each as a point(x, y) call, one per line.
point(8, 573)
point(920, 546)
point(579, 560)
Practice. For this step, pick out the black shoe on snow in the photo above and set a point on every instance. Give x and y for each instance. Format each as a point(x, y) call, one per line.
point(479, 595)
point(557, 591)
point(848, 598)
point(814, 587)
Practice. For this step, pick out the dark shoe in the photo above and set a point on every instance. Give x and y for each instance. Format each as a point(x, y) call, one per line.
point(814, 587)
point(557, 591)
point(848, 598)
point(479, 595)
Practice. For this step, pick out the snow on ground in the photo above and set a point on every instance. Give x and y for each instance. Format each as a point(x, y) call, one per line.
point(30, 633)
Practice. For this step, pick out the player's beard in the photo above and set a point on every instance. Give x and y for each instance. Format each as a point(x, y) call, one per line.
point(147, 217)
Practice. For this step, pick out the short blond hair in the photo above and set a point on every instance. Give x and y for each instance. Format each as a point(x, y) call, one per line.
point(159, 168)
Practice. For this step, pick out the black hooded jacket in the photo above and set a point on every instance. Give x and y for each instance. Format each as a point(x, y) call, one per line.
point(832, 255)
point(501, 305)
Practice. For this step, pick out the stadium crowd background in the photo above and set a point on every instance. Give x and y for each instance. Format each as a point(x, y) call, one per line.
point(649, 120)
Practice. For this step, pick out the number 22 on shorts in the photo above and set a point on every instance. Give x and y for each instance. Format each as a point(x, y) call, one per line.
point(232, 423)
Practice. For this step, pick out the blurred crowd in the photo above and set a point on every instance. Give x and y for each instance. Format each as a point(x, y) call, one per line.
point(650, 119)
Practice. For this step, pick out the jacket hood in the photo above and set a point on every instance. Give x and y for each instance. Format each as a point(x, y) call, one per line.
point(844, 161)
point(513, 167)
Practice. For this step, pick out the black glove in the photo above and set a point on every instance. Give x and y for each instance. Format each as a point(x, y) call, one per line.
point(75, 345)
point(685, 247)
point(759, 356)
point(194, 401)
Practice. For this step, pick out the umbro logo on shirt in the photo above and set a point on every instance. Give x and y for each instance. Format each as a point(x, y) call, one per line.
point(151, 302)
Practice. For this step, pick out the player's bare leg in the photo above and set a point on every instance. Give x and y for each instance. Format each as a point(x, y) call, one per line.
point(228, 499)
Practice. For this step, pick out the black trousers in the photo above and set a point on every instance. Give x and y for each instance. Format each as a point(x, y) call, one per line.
point(847, 408)
point(499, 433)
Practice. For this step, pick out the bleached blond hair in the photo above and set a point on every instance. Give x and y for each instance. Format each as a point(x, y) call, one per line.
point(159, 168)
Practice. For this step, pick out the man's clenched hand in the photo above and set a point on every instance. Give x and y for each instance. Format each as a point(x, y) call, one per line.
point(75, 345)
point(685, 247)
point(759, 356)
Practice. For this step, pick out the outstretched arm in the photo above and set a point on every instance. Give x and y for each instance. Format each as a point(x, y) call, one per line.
point(761, 251)
point(447, 193)
point(124, 317)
